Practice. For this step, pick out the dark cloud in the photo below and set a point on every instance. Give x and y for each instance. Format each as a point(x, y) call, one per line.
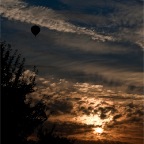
point(55, 4)
point(85, 61)
point(61, 106)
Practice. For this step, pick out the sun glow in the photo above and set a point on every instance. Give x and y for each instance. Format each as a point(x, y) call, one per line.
point(98, 130)
point(93, 120)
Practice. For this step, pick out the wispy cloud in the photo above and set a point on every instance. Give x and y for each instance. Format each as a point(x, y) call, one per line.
point(45, 17)
point(121, 19)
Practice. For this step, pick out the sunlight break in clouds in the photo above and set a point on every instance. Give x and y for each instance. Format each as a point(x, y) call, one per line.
point(44, 17)
point(105, 113)
point(98, 130)
point(94, 120)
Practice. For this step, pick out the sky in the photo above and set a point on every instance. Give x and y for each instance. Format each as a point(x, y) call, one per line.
point(90, 60)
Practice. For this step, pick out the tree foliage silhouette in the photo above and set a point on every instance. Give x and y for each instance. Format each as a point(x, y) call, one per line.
point(19, 119)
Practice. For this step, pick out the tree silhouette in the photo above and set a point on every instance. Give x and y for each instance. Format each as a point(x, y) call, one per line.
point(19, 119)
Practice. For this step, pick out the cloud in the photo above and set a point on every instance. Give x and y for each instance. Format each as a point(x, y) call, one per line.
point(71, 52)
point(66, 54)
point(46, 18)
point(120, 19)
point(88, 105)
point(77, 58)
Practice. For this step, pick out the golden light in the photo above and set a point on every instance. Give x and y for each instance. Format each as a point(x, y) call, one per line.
point(93, 120)
point(98, 130)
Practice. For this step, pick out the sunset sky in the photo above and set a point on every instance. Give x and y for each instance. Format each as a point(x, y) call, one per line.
point(90, 60)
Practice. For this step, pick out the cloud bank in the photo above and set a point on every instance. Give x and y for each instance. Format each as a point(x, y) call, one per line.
point(91, 106)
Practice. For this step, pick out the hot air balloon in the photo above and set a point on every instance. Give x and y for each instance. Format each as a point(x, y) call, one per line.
point(35, 29)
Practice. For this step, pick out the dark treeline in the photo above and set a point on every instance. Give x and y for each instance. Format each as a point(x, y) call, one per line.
point(19, 120)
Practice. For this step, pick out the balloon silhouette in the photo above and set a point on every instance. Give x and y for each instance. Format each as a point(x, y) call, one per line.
point(35, 29)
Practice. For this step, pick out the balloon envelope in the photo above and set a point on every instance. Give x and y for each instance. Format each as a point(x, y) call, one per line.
point(35, 29)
